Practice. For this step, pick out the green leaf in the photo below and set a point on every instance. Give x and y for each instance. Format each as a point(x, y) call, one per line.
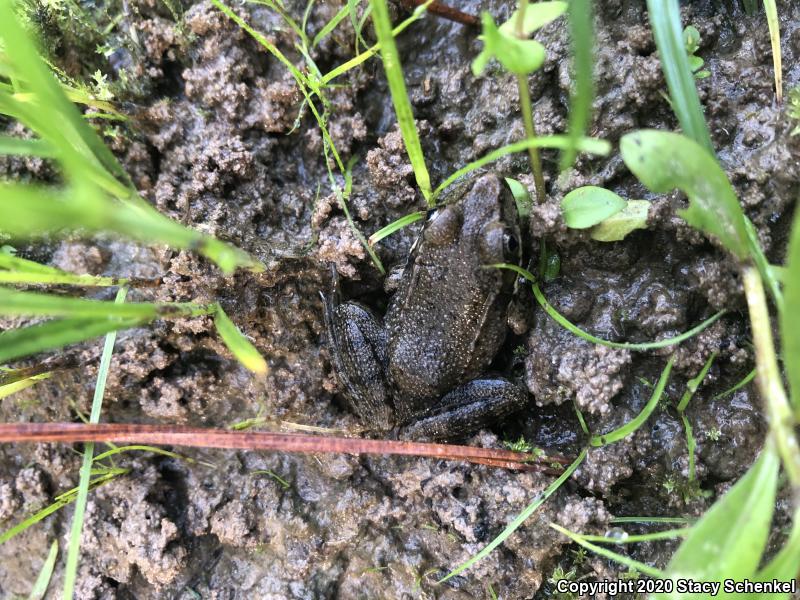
point(521, 57)
point(239, 345)
point(665, 19)
point(20, 147)
point(790, 332)
point(589, 205)
point(537, 15)
point(616, 227)
point(24, 341)
point(785, 565)
point(727, 542)
point(521, 197)
point(664, 161)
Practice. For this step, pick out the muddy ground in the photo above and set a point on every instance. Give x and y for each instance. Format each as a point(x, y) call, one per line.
point(208, 144)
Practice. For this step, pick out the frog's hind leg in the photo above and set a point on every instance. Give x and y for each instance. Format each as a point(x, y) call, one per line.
point(359, 352)
point(468, 408)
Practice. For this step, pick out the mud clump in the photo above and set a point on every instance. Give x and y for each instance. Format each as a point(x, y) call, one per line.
point(219, 142)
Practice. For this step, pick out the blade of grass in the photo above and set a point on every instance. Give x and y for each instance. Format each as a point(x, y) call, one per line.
point(747, 379)
point(402, 104)
point(25, 341)
point(73, 549)
point(775, 41)
point(60, 501)
point(45, 574)
point(396, 225)
point(634, 424)
point(665, 19)
point(605, 552)
point(20, 147)
point(13, 302)
point(519, 520)
point(560, 142)
point(331, 25)
point(238, 344)
point(12, 388)
point(582, 38)
point(669, 534)
point(373, 50)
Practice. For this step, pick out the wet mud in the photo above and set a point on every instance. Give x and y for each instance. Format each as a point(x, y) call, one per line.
point(214, 141)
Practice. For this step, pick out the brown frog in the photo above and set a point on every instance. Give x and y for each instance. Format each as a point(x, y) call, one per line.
point(444, 324)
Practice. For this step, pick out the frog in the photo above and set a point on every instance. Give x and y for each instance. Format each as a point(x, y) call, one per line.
point(422, 367)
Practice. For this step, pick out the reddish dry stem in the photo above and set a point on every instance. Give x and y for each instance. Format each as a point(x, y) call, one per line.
point(446, 12)
point(176, 435)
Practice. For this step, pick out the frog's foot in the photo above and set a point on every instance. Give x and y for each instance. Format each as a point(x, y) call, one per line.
point(468, 408)
point(359, 354)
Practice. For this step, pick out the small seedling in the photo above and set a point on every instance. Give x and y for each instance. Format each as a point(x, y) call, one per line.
point(793, 109)
point(691, 38)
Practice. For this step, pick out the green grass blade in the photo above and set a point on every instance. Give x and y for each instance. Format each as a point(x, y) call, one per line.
point(745, 380)
point(25, 341)
point(73, 551)
point(402, 104)
point(16, 386)
point(20, 147)
point(45, 574)
point(519, 520)
point(634, 424)
point(694, 383)
point(669, 534)
point(373, 50)
point(637, 347)
point(775, 41)
point(13, 302)
point(60, 501)
point(727, 542)
point(238, 344)
point(331, 25)
point(665, 19)
point(581, 30)
point(395, 225)
point(561, 142)
point(605, 552)
point(790, 333)
point(649, 520)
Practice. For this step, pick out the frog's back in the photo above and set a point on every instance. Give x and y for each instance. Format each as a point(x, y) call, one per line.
point(447, 320)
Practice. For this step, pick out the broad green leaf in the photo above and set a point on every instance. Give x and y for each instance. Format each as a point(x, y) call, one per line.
point(24, 341)
point(790, 332)
point(537, 15)
point(589, 205)
point(521, 57)
point(785, 565)
point(616, 227)
point(727, 542)
point(239, 345)
point(664, 161)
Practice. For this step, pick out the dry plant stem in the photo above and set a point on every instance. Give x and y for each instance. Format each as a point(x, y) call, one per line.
point(446, 12)
point(768, 377)
point(175, 435)
point(527, 112)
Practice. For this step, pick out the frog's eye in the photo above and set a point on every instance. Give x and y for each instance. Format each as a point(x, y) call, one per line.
point(510, 243)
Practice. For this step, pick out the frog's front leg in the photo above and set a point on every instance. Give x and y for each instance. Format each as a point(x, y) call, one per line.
point(468, 408)
point(358, 343)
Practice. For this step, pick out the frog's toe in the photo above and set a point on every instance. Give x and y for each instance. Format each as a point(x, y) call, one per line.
point(468, 408)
